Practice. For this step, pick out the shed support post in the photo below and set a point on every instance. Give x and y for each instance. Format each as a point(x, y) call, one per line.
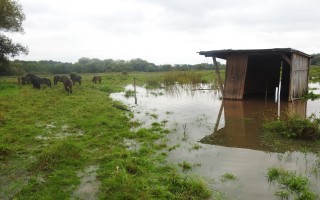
point(218, 74)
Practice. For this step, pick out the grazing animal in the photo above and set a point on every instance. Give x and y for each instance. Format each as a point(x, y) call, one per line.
point(75, 78)
point(67, 82)
point(56, 79)
point(95, 79)
point(25, 80)
point(37, 81)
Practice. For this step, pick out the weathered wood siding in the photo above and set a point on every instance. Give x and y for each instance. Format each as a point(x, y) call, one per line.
point(235, 76)
point(299, 76)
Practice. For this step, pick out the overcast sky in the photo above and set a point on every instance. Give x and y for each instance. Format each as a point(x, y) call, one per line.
point(164, 31)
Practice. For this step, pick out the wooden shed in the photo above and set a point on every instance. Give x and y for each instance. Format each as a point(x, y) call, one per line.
point(259, 72)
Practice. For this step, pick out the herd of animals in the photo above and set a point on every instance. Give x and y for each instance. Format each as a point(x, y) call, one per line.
point(36, 81)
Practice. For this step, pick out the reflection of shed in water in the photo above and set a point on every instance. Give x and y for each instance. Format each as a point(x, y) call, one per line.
point(243, 119)
point(257, 72)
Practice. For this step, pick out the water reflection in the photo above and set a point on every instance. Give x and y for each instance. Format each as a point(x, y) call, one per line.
point(243, 119)
point(228, 132)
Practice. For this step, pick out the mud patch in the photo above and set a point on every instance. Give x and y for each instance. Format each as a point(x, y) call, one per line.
point(89, 185)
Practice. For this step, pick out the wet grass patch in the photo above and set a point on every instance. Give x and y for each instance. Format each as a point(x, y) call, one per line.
point(311, 96)
point(292, 133)
point(290, 184)
point(228, 177)
point(33, 168)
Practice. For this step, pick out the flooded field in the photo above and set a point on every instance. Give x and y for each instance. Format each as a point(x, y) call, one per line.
point(222, 137)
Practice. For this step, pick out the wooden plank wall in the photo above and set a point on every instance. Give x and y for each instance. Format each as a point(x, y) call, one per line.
point(299, 76)
point(235, 76)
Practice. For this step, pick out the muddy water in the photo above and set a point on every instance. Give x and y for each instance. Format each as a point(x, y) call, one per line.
point(219, 137)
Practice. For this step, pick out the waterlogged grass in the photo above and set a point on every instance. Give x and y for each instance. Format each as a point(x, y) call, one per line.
point(290, 185)
point(47, 136)
point(181, 77)
point(292, 133)
point(311, 96)
point(228, 177)
point(185, 165)
point(314, 74)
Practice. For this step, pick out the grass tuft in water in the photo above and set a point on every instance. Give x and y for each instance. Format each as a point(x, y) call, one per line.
point(129, 93)
point(228, 177)
point(311, 96)
point(185, 165)
point(290, 184)
point(292, 133)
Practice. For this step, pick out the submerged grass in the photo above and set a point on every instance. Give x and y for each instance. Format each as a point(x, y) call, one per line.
point(290, 184)
point(48, 135)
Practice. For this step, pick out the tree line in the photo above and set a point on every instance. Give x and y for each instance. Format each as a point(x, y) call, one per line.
point(87, 65)
point(315, 59)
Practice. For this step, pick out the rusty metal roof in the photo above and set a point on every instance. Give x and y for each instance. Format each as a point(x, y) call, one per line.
point(276, 51)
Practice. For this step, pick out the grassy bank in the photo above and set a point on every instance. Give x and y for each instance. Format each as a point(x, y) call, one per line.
point(49, 139)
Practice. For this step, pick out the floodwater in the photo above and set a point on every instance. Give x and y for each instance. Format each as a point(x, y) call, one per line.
point(219, 137)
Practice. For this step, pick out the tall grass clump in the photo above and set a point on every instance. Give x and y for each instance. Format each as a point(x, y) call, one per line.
point(292, 133)
point(65, 152)
point(311, 96)
point(153, 83)
point(294, 127)
point(290, 184)
point(182, 77)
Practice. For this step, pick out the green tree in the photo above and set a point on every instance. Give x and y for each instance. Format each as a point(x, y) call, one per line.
point(11, 17)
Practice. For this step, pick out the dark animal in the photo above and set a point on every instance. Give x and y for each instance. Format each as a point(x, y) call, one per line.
point(56, 79)
point(95, 79)
point(37, 81)
point(75, 78)
point(25, 80)
point(67, 84)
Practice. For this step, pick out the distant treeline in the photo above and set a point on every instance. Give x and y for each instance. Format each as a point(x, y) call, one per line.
point(315, 60)
point(87, 65)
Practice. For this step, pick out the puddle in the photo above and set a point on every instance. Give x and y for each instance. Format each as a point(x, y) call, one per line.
point(131, 144)
point(219, 137)
point(66, 131)
point(89, 185)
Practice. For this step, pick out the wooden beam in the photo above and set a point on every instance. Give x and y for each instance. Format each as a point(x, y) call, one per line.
point(218, 74)
point(286, 59)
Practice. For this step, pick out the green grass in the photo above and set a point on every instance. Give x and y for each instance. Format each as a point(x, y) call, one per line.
point(228, 177)
point(47, 136)
point(311, 96)
point(292, 133)
point(290, 184)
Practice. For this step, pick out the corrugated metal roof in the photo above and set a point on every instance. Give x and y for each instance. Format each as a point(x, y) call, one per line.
point(276, 51)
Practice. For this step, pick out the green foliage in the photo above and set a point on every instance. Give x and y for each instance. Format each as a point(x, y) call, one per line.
point(290, 184)
point(11, 17)
point(314, 74)
point(62, 152)
point(185, 166)
point(315, 59)
point(87, 65)
point(182, 77)
point(294, 127)
point(5, 151)
point(228, 177)
point(58, 135)
point(129, 93)
point(311, 95)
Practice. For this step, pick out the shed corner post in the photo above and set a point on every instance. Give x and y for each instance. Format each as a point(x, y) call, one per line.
point(218, 74)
